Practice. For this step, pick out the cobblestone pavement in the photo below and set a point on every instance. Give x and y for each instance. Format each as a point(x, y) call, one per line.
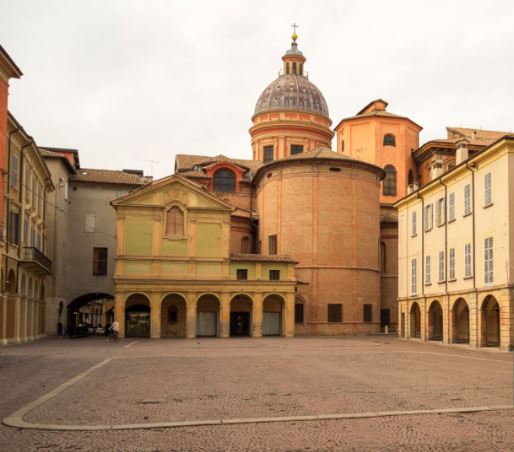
point(196, 380)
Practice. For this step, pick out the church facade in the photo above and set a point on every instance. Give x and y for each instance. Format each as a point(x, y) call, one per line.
point(292, 241)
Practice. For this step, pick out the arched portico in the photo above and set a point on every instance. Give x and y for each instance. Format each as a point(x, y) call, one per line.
point(415, 321)
point(207, 315)
point(273, 316)
point(137, 316)
point(435, 322)
point(173, 316)
point(241, 315)
point(490, 320)
point(460, 322)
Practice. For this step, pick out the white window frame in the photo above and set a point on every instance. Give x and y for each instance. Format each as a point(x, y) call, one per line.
point(428, 276)
point(429, 217)
point(441, 266)
point(452, 263)
point(488, 194)
point(451, 207)
point(414, 277)
point(467, 199)
point(414, 224)
point(488, 260)
point(440, 212)
point(467, 260)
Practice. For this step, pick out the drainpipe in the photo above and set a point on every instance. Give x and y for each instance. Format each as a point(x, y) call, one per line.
point(7, 220)
point(473, 245)
point(20, 195)
point(422, 242)
point(446, 253)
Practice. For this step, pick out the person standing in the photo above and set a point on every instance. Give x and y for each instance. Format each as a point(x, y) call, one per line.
point(115, 329)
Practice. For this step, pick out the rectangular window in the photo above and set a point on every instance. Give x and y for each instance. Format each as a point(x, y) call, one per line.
point(90, 222)
point(452, 263)
point(368, 313)
point(242, 273)
point(274, 275)
point(488, 261)
point(39, 195)
point(28, 176)
point(14, 170)
point(33, 191)
point(269, 154)
point(467, 199)
point(26, 231)
point(414, 226)
point(33, 236)
point(488, 195)
point(441, 266)
point(467, 259)
point(99, 261)
point(428, 277)
point(298, 313)
point(429, 219)
point(440, 212)
point(335, 312)
point(296, 149)
point(414, 277)
point(451, 207)
point(272, 244)
point(15, 228)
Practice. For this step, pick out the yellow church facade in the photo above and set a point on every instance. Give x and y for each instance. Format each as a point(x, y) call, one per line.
point(175, 275)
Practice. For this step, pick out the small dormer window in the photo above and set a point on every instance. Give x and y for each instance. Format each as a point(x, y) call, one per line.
point(389, 140)
point(296, 149)
point(224, 181)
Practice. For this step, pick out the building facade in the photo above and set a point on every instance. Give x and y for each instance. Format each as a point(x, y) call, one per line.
point(456, 234)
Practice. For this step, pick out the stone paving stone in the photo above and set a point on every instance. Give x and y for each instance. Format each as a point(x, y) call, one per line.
point(207, 379)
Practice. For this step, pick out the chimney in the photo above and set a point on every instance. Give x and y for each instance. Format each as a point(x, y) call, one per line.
point(437, 169)
point(462, 153)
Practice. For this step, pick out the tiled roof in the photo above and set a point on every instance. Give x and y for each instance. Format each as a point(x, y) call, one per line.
point(474, 136)
point(108, 177)
point(243, 213)
point(261, 258)
point(187, 162)
point(320, 153)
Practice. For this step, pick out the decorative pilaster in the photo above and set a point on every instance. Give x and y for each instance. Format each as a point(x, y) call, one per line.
point(257, 314)
point(288, 321)
point(119, 312)
point(191, 315)
point(155, 315)
point(225, 315)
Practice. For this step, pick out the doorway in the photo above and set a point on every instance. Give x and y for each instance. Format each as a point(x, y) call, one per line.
point(240, 324)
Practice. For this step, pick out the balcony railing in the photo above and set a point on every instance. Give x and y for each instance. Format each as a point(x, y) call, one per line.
point(33, 255)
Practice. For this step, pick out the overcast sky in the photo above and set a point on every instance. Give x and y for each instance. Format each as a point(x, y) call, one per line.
point(126, 82)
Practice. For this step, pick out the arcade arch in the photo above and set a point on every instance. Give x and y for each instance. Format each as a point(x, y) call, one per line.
point(460, 322)
point(491, 329)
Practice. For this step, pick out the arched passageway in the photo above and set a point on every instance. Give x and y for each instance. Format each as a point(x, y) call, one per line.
point(173, 316)
point(490, 322)
point(207, 315)
point(79, 311)
point(415, 321)
point(240, 315)
point(435, 322)
point(460, 322)
point(272, 307)
point(137, 316)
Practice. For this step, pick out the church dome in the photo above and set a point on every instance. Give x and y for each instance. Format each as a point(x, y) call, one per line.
point(292, 92)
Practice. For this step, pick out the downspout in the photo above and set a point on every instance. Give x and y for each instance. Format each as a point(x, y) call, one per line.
point(446, 256)
point(422, 242)
point(20, 195)
point(7, 220)
point(473, 246)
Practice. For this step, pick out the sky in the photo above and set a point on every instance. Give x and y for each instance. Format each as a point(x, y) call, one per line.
point(130, 84)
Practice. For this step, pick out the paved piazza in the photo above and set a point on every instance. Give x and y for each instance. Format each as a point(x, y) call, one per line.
point(236, 391)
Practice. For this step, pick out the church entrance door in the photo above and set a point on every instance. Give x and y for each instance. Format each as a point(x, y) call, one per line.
point(240, 324)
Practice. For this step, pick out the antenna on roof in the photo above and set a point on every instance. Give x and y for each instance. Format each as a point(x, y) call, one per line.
point(151, 165)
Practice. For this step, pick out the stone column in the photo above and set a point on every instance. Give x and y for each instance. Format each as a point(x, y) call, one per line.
point(191, 315)
point(447, 319)
point(29, 319)
point(119, 312)
point(155, 315)
point(474, 320)
point(423, 319)
point(289, 316)
point(257, 314)
point(225, 315)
